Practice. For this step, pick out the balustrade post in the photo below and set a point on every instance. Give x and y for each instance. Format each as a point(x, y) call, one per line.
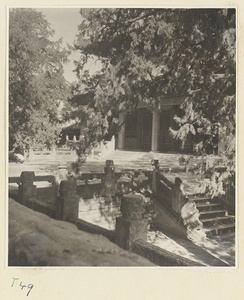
point(67, 206)
point(132, 225)
point(109, 181)
point(178, 195)
point(27, 189)
point(155, 164)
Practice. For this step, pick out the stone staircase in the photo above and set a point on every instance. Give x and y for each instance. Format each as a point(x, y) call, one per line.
point(216, 221)
point(215, 218)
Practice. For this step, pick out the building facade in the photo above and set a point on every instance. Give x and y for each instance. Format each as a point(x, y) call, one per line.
point(147, 129)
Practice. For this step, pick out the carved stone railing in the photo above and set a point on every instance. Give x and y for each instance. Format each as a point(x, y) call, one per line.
point(131, 228)
point(107, 184)
point(168, 193)
point(51, 155)
point(111, 183)
point(40, 199)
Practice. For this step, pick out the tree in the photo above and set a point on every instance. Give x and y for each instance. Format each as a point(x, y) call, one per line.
point(147, 54)
point(36, 82)
point(210, 109)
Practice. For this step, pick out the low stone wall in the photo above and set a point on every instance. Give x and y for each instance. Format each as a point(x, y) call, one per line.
point(52, 155)
point(103, 149)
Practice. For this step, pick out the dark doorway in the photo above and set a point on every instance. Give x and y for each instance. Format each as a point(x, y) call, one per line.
point(146, 130)
point(138, 130)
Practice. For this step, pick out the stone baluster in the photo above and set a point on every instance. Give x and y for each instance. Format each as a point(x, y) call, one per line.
point(68, 202)
point(109, 180)
point(27, 190)
point(132, 225)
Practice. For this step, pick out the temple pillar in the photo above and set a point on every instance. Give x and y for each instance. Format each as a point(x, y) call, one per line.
point(155, 130)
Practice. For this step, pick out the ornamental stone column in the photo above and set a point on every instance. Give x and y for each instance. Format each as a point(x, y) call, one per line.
point(68, 201)
point(132, 225)
point(27, 190)
point(109, 180)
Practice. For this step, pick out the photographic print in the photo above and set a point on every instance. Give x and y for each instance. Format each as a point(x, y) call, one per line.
point(121, 137)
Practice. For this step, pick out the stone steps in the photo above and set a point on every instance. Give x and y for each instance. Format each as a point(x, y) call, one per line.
point(201, 200)
point(215, 219)
point(212, 213)
point(219, 230)
point(230, 235)
point(208, 207)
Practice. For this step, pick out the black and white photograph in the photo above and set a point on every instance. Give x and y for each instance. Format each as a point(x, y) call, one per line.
point(122, 138)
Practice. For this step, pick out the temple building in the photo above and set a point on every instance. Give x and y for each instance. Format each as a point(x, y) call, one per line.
point(147, 129)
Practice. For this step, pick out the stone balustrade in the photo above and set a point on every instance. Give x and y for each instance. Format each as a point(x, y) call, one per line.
point(131, 228)
point(109, 184)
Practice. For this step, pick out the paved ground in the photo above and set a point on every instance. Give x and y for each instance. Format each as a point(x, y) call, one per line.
point(122, 160)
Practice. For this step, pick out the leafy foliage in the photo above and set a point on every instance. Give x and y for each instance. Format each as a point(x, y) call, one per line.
point(204, 134)
point(217, 178)
point(147, 54)
point(36, 82)
point(210, 108)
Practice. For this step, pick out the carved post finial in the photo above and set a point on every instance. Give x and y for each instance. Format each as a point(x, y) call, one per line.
point(155, 164)
point(132, 225)
point(27, 189)
point(68, 202)
point(109, 180)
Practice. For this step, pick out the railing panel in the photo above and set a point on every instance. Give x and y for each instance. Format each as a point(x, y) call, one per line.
point(166, 180)
point(49, 178)
point(47, 195)
point(14, 180)
point(165, 192)
point(45, 208)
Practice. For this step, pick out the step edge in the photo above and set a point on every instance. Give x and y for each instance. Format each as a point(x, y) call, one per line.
point(219, 227)
point(217, 219)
